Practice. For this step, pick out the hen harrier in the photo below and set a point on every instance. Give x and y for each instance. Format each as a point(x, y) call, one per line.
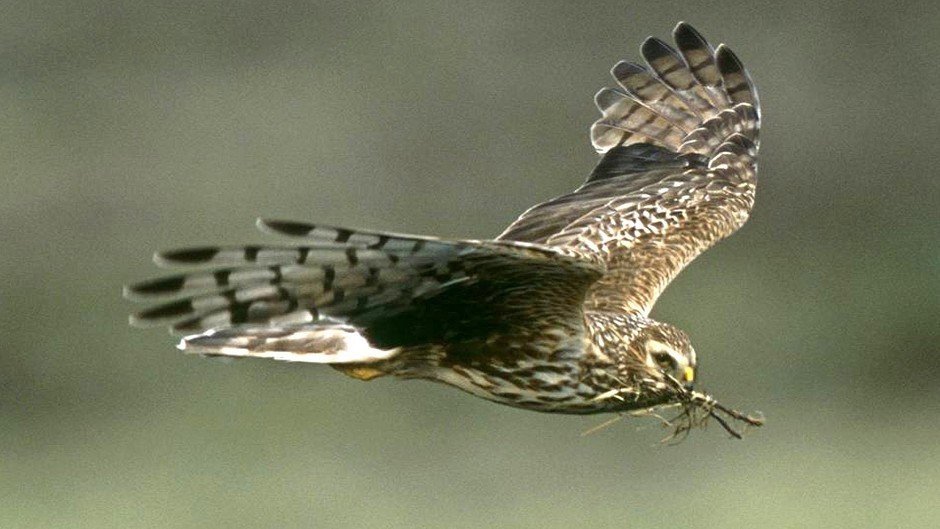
point(553, 314)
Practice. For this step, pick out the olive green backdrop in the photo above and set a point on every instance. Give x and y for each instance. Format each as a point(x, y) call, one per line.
point(127, 127)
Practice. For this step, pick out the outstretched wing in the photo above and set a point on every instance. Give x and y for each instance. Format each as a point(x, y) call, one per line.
point(351, 296)
point(680, 140)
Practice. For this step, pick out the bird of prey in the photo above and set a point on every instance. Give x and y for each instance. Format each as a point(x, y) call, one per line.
point(553, 314)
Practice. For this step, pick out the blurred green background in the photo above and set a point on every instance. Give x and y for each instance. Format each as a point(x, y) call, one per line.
point(127, 127)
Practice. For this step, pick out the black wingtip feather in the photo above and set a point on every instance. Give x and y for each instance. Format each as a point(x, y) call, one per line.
point(187, 255)
point(731, 66)
point(155, 286)
point(654, 48)
point(687, 36)
point(728, 62)
point(165, 312)
point(624, 69)
point(284, 227)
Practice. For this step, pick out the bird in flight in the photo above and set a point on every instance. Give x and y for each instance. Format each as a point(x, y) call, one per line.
point(553, 314)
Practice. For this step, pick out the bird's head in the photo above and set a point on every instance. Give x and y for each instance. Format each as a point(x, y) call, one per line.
point(670, 359)
point(668, 351)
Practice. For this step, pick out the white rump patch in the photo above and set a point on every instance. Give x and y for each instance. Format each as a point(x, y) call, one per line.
point(311, 344)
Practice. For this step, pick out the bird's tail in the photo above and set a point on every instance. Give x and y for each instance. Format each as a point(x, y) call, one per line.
point(698, 99)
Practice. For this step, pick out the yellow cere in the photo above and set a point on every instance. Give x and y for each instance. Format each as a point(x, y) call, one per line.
point(689, 374)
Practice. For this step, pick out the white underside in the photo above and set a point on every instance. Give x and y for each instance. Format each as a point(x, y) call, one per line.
point(340, 345)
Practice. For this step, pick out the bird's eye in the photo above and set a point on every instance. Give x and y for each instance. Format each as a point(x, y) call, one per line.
point(665, 361)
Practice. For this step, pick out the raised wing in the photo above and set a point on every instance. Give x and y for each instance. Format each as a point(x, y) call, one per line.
point(680, 140)
point(396, 290)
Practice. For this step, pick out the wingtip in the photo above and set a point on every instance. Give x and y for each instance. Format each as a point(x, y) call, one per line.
point(145, 290)
point(607, 97)
point(651, 44)
point(284, 227)
point(185, 256)
point(731, 66)
point(263, 225)
point(160, 259)
point(133, 293)
point(127, 292)
point(134, 320)
point(654, 48)
point(684, 30)
point(728, 62)
point(725, 56)
point(625, 68)
point(689, 38)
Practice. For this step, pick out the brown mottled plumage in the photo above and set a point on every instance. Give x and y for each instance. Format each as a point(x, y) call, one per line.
point(552, 315)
